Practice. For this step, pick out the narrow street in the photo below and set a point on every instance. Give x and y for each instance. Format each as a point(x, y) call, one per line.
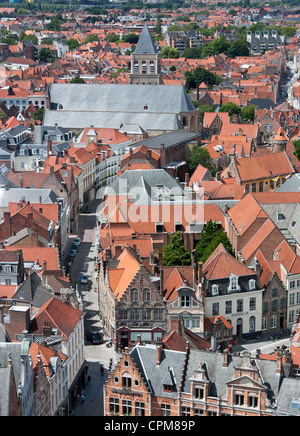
point(95, 355)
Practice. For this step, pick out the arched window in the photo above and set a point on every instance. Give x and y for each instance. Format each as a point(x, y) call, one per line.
point(146, 294)
point(134, 294)
point(215, 290)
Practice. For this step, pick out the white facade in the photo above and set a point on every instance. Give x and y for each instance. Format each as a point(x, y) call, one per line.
point(242, 309)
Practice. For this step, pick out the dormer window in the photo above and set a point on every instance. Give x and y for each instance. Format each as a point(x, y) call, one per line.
point(215, 290)
point(252, 284)
point(233, 283)
point(168, 388)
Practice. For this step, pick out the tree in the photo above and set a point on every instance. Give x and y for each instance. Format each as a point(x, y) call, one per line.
point(297, 148)
point(248, 112)
point(77, 80)
point(45, 55)
point(112, 37)
point(170, 52)
point(175, 254)
point(72, 43)
point(38, 114)
point(231, 108)
point(211, 237)
point(201, 75)
point(200, 155)
point(132, 38)
point(90, 38)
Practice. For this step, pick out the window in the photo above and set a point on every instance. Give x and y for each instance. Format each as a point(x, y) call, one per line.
point(252, 303)
point(261, 186)
point(199, 393)
point(159, 227)
point(274, 292)
point(215, 290)
point(239, 399)
point(7, 268)
point(228, 307)
point(185, 301)
point(252, 324)
point(135, 314)
point(167, 388)
point(178, 227)
point(139, 409)
point(8, 281)
point(292, 284)
point(146, 294)
point(274, 305)
point(126, 382)
point(186, 411)
point(253, 187)
point(252, 401)
point(292, 299)
point(264, 323)
point(252, 284)
point(134, 295)
point(195, 322)
point(215, 309)
point(274, 322)
point(280, 216)
point(239, 306)
point(158, 314)
point(114, 405)
point(165, 409)
point(265, 307)
point(198, 412)
point(127, 408)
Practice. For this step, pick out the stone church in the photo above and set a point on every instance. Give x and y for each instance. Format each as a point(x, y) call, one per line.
point(145, 104)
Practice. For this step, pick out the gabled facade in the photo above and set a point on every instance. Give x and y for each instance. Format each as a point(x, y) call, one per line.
point(134, 304)
point(192, 383)
point(233, 291)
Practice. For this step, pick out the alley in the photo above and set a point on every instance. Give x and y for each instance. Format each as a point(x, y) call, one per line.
point(95, 355)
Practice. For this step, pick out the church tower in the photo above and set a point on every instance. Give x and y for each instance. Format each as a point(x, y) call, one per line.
point(145, 62)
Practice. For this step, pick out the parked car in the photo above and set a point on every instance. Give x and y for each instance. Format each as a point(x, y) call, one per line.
point(74, 247)
point(86, 209)
point(77, 241)
point(72, 253)
point(97, 338)
point(84, 279)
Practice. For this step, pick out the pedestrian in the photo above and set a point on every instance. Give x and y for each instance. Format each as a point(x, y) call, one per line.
point(102, 370)
point(82, 399)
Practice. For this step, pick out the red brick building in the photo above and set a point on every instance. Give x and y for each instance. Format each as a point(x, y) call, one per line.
point(152, 381)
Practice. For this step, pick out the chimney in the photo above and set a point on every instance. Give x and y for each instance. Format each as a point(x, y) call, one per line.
point(200, 275)
point(279, 368)
point(161, 283)
point(187, 179)
point(225, 361)
point(19, 318)
point(158, 351)
point(195, 272)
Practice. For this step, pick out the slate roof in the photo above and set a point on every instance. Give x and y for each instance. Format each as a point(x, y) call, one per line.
point(113, 105)
point(145, 43)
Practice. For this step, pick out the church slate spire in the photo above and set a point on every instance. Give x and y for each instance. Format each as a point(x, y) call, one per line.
point(145, 62)
point(145, 43)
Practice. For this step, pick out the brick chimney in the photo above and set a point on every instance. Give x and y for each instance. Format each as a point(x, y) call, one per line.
point(158, 351)
point(225, 361)
point(19, 318)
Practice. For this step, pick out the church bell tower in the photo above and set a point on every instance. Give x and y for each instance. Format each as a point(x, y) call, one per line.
point(145, 62)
